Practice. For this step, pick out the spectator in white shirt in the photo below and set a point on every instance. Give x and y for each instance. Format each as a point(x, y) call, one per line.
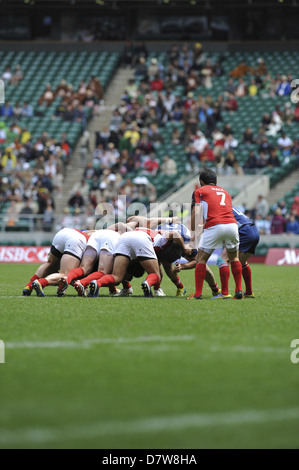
point(168, 100)
point(285, 144)
point(6, 76)
point(200, 142)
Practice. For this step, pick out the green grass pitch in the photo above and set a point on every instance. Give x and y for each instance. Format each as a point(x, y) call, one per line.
point(161, 373)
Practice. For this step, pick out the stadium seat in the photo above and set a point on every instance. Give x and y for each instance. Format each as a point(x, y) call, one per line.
point(40, 68)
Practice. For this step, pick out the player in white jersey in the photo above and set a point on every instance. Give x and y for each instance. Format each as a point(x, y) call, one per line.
point(131, 246)
point(100, 247)
point(66, 252)
point(142, 245)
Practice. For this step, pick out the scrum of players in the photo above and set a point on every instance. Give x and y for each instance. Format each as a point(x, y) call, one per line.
point(91, 260)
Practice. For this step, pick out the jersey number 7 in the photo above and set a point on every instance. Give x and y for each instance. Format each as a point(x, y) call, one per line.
point(222, 202)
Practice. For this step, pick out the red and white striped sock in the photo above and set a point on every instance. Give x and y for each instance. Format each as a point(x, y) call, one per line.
point(177, 282)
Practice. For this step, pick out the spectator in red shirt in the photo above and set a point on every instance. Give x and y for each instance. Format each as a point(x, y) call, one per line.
point(151, 165)
point(231, 103)
point(278, 223)
point(207, 155)
point(190, 101)
point(157, 84)
point(296, 113)
point(295, 206)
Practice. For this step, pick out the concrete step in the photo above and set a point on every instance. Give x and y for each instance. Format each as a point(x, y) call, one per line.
point(280, 189)
point(76, 167)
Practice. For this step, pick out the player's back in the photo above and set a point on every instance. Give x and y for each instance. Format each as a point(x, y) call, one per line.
point(217, 205)
point(241, 218)
point(68, 233)
point(104, 234)
point(180, 228)
point(151, 233)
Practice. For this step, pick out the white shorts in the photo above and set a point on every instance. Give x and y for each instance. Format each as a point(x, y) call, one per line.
point(70, 242)
point(135, 245)
point(103, 240)
point(220, 236)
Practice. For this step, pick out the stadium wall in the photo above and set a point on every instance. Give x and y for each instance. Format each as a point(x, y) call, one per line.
point(258, 186)
point(153, 46)
point(253, 185)
point(41, 238)
point(39, 254)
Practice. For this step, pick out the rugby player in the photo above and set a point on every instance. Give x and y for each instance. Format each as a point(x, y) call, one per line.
point(220, 228)
point(65, 254)
point(249, 238)
point(100, 247)
point(142, 245)
point(173, 224)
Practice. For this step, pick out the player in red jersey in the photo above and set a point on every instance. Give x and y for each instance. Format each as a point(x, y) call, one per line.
point(220, 229)
point(66, 252)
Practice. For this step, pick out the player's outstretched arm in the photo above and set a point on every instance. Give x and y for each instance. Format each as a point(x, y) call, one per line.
point(182, 267)
point(153, 221)
point(138, 221)
point(121, 227)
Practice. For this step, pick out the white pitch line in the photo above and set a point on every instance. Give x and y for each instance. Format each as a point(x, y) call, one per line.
point(141, 341)
point(14, 297)
point(250, 349)
point(84, 344)
point(156, 424)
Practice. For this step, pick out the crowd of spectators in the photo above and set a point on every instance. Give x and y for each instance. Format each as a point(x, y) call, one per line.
point(127, 158)
point(276, 220)
point(131, 142)
point(17, 111)
point(73, 103)
point(269, 155)
point(31, 172)
point(12, 77)
point(71, 106)
point(32, 168)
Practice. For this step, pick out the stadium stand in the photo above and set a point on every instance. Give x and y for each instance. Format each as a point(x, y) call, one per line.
point(175, 137)
point(186, 109)
point(37, 134)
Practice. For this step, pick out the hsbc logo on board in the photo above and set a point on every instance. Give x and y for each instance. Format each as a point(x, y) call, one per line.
point(18, 254)
point(42, 254)
point(282, 257)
